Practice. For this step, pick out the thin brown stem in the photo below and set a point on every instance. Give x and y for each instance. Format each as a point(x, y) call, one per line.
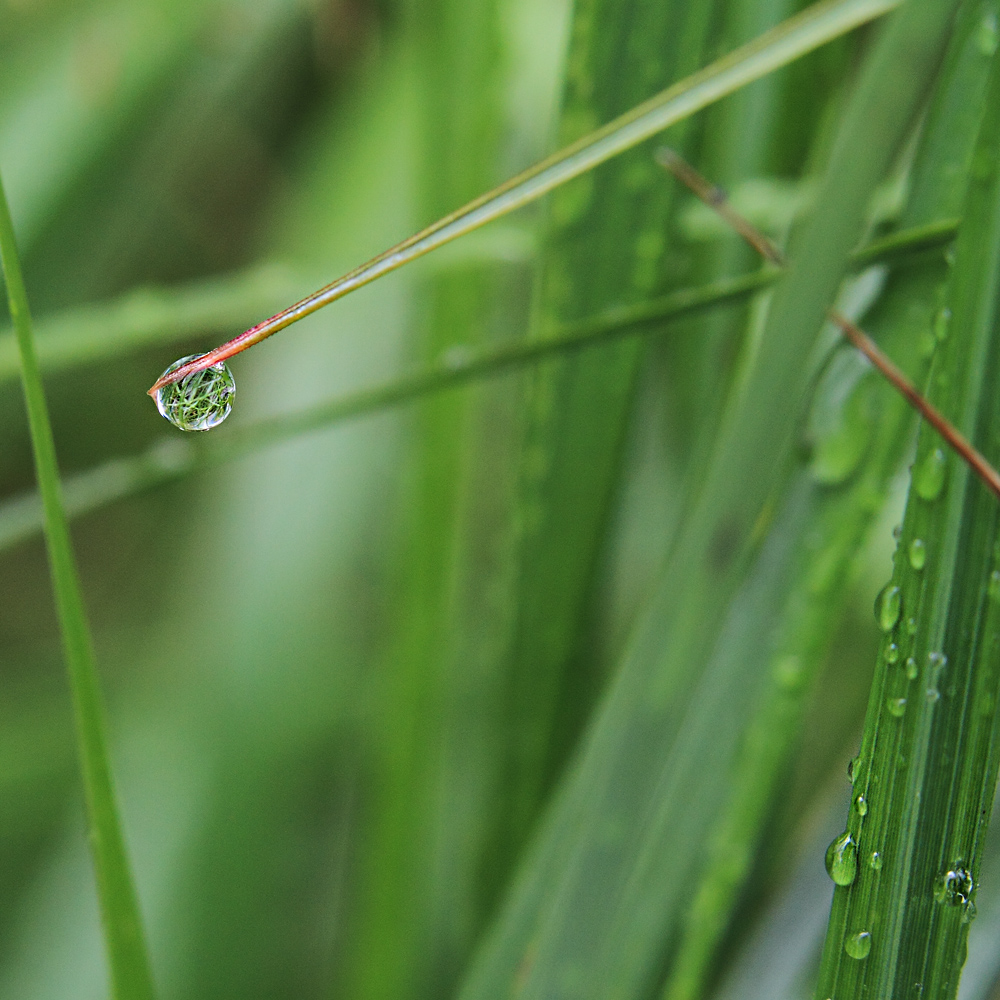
point(716, 199)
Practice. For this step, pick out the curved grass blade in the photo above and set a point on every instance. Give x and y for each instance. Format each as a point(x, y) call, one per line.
point(130, 972)
point(794, 38)
point(926, 773)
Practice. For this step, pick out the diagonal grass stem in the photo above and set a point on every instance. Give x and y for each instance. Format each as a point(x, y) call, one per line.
point(790, 40)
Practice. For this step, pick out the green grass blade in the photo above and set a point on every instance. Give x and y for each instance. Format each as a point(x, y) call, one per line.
point(925, 777)
point(858, 432)
point(625, 814)
point(130, 971)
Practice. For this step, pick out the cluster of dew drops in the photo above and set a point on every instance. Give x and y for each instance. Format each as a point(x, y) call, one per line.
point(200, 401)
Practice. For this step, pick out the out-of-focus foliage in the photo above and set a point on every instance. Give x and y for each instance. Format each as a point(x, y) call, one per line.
point(544, 686)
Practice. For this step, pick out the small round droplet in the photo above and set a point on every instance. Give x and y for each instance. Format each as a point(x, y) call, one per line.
point(911, 668)
point(941, 321)
point(911, 626)
point(861, 804)
point(854, 769)
point(928, 476)
point(953, 887)
point(842, 859)
point(937, 662)
point(933, 695)
point(896, 707)
point(200, 401)
point(888, 606)
point(875, 861)
point(994, 586)
point(891, 653)
point(858, 945)
point(918, 554)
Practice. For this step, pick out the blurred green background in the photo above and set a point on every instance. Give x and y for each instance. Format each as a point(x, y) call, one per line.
point(329, 749)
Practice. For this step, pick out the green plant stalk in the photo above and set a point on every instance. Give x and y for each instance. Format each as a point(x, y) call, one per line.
point(620, 811)
point(130, 971)
point(925, 776)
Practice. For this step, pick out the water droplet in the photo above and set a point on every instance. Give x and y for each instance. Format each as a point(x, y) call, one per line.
point(199, 402)
point(888, 606)
point(928, 476)
point(891, 653)
point(918, 554)
point(897, 532)
point(986, 34)
point(842, 859)
point(994, 585)
point(896, 706)
point(875, 861)
point(953, 887)
point(911, 668)
point(911, 626)
point(861, 804)
point(937, 662)
point(933, 695)
point(858, 945)
point(854, 769)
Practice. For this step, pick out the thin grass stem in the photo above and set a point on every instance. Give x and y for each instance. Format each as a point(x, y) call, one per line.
point(130, 972)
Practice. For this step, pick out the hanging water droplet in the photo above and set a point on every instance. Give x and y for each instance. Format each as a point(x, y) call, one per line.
point(994, 586)
point(891, 653)
point(875, 861)
point(933, 695)
point(911, 626)
point(918, 553)
point(953, 887)
point(986, 34)
point(937, 662)
point(888, 606)
point(842, 859)
point(911, 668)
point(861, 804)
point(896, 706)
point(928, 476)
point(200, 401)
point(858, 945)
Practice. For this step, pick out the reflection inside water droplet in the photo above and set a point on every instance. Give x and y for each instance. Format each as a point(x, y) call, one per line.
point(200, 401)
point(842, 859)
point(858, 945)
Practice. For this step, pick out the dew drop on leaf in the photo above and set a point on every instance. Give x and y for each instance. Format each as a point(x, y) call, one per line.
point(861, 804)
point(953, 887)
point(896, 707)
point(911, 668)
point(928, 476)
point(199, 402)
point(918, 554)
point(858, 945)
point(842, 859)
point(888, 606)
